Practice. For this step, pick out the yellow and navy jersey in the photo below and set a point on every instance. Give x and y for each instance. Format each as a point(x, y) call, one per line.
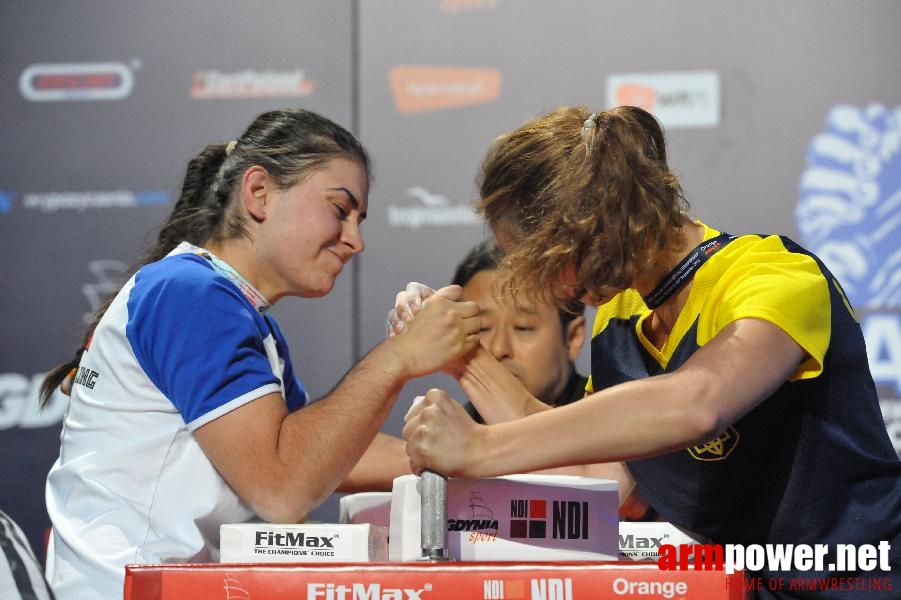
point(813, 463)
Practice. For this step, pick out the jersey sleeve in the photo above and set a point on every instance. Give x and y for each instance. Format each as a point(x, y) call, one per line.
point(198, 340)
point(789, 290)
point(295, 393)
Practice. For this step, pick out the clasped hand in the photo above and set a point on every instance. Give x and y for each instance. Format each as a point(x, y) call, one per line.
point(444, 327)
point(408, 304)
point(436, 426)
point(441, 436)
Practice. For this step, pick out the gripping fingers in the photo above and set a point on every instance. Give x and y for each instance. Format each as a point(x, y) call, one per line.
point(472, 327)
point(395, 324)
point(471, 341)
point(414, 408)
point(449, 292)
point(469, 309)
point(418, 292)
point(406, 304)
point(406, 307)
point(425, 431)
point(411, 434)
point(409, 302)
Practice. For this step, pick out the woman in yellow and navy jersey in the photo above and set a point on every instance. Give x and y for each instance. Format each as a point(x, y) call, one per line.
point(729, 379)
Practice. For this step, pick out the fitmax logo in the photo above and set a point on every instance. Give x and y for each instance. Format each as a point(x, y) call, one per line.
point(362, 591)
point(633, 542)
point(293, 540)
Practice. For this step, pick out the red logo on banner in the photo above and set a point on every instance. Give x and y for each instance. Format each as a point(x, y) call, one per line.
point(633, 94)
point(421, 89)
point(530, 519)
point(250, 83)
point(429, 581)
point(76, 81)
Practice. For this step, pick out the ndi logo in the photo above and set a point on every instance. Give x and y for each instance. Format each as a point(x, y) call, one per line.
point(503, 589)
point(552, 588)
point(849, 214)
point(528, 519)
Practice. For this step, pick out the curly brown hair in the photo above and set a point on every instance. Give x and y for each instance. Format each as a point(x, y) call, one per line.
point(602, 201)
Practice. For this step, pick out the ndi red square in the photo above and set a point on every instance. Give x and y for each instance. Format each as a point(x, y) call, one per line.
point(538, 509)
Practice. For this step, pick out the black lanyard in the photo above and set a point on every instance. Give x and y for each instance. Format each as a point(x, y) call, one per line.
point(686, 268)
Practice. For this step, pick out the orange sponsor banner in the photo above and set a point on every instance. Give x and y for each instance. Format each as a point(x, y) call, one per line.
point(635, 94)
point(429, 581)
point(420, 88)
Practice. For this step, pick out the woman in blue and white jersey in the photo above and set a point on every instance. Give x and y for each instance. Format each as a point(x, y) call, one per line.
point(185, 409)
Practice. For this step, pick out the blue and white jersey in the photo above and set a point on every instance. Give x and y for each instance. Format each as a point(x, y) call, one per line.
point(180, 345)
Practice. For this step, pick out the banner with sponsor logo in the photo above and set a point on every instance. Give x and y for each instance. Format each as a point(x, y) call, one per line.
point(432, 581)
point(103, 106)
point(849, 214)
point(774, 125)
point(747, 129)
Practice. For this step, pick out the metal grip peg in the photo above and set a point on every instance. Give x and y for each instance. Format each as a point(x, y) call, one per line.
point(433, 516)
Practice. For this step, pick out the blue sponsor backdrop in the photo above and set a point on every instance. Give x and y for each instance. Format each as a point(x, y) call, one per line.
point(783, 124)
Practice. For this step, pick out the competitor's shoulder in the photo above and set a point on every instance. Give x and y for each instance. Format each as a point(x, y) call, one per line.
point(622, 307)
point(759, 246)
point(182, 272)
point(181, 282)
point(177, 266)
